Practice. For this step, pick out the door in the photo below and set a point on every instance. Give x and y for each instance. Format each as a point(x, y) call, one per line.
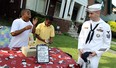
point(51, 8)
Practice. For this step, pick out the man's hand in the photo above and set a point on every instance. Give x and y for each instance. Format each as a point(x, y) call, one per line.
point(48, 41)
point(17, 32)
point(34, 21)
point(80, 51)
point(51, 40)
point(28, 27)
point(39, 38)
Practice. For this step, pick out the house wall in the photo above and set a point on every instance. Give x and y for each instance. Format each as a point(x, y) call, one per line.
point(57, 9)
point(67, 12)
point(51, 8)
point(41, 5)
point(64, 24)
point(36, 5)
point(81, 14)
point(90, 2)
point(10, 8)
point(82, 2)
point(62, 10)
point(31, 4)
point(105, 8)
point(82, 10)
point(23, 4)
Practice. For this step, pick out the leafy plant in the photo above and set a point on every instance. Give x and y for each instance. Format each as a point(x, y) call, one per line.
point(112, 25)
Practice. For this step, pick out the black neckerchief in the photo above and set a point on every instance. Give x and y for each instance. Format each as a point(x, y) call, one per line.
point(91, 32)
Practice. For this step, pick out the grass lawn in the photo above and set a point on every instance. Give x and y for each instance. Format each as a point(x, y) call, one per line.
point(108, 60)
point(69, 45)
point(114, 39)
point(113, 46)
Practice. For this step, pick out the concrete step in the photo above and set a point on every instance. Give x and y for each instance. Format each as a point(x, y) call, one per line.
point(113, 42)
point(73, 33)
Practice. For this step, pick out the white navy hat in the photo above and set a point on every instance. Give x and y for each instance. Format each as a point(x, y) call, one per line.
point(94, 7)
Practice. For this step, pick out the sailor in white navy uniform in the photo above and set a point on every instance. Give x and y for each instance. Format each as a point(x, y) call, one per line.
point(94, 38)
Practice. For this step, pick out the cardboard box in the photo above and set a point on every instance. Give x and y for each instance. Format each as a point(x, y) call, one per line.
point(29, 51)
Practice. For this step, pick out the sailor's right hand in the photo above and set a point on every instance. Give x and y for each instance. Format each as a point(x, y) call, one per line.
point(80, 51)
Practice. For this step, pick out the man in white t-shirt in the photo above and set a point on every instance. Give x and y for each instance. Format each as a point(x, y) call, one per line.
point(21, 28)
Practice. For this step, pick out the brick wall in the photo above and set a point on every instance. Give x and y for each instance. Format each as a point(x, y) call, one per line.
point(64, 24)
point(90, 2)
point(104, 11)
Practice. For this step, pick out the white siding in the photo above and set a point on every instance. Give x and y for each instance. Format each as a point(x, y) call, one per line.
point(57, 9)
point(66, 10)
point(62, 8)
point(82, 2)
point(21, 3)
point(81, 14)
point(82, 11)
point(31, 4)
point(41, 5)
point(36, 5)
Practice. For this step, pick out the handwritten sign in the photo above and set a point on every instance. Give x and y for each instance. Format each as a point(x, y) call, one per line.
point(42, 54)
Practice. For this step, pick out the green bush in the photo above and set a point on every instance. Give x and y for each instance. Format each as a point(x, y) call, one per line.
point(112, 25)
point(113, 28)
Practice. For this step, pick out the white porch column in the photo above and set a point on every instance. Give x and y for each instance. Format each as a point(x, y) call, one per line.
point(71, 9)
point(84, 13)
point(62, 8)
point(47, 7)
point(79, 15)
point(21, 5)
point(66, 10)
